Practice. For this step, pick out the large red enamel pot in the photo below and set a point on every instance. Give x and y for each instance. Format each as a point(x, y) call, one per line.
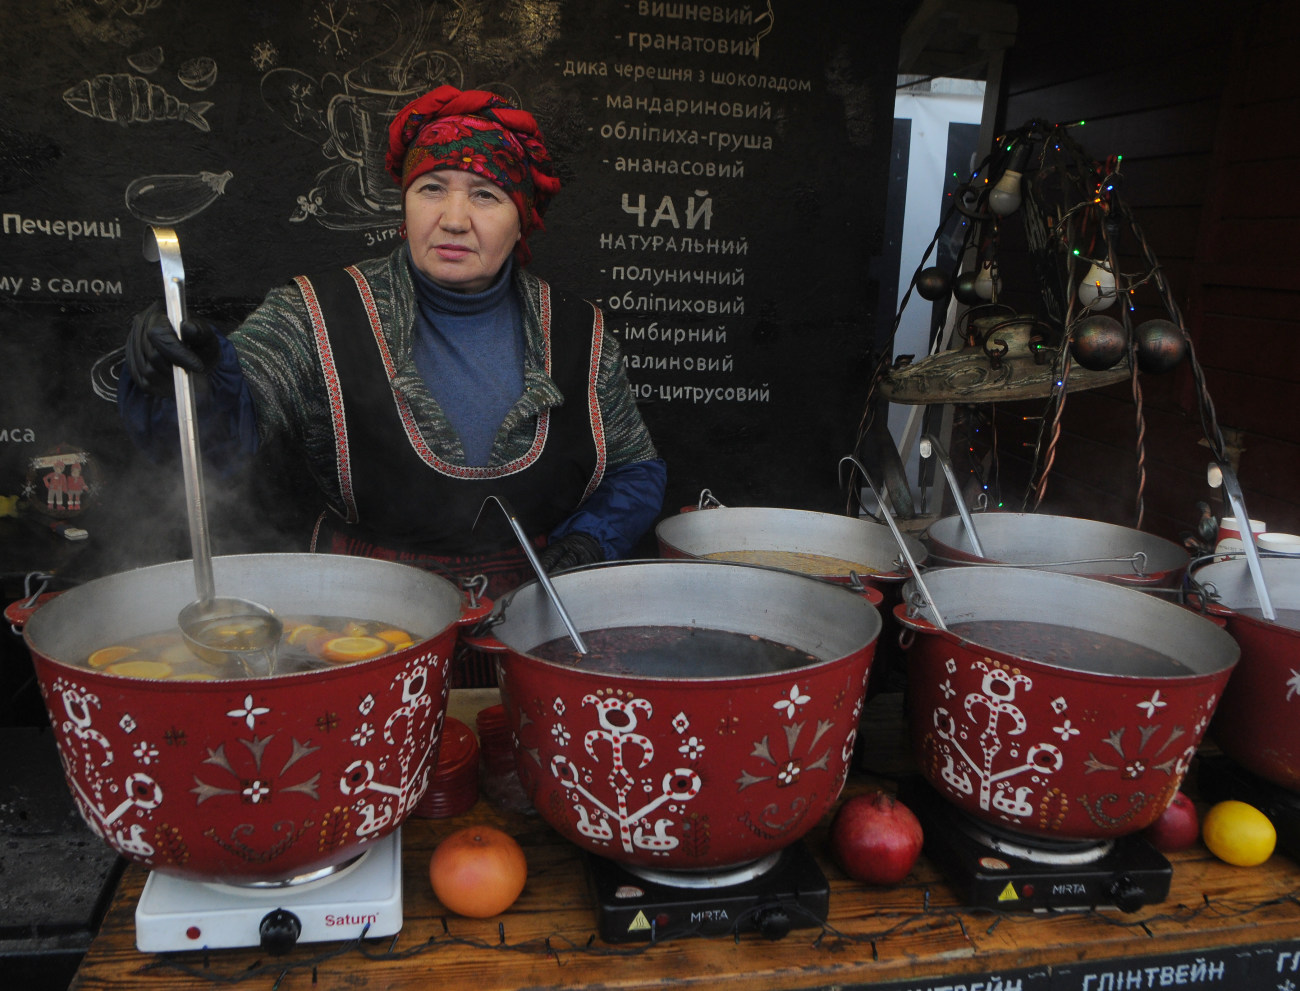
point(1063, 544)
point(1258, 722)
point(1084, 740)
point(829, 544)
point(248, 779)
point(686, 766)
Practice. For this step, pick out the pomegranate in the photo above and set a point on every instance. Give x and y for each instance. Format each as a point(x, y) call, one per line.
point(1177, 828)
point(876, 838)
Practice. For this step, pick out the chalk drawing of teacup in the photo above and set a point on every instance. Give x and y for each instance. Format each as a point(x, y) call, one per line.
point(359, 117)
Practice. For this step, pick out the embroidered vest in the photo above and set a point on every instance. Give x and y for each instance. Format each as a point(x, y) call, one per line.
point(403, 501)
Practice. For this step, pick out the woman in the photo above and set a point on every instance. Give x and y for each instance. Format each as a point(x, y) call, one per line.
point(421, 383)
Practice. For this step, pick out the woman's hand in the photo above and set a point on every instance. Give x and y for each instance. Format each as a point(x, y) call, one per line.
point(573, 549)
point(153, 349)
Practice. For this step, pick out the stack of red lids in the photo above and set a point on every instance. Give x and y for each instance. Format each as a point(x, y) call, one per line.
point(494, 738)
point(500, 782)
point(453, 787)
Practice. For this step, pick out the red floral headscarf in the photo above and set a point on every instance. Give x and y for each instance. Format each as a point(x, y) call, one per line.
point(476, 131)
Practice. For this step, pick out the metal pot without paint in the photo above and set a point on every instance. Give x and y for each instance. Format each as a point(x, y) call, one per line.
point(1063, 544)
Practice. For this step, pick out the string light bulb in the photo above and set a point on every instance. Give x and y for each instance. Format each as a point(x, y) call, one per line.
point(1004, 197)
point(1097, 290)
point(985, 284)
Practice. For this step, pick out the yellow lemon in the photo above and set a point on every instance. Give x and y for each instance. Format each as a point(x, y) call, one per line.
point(343, 649)
point(1238, 833)
point(109, 655)
point(140, 669)
point(304, 631)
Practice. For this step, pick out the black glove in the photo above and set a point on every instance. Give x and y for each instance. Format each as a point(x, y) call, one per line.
point(571, 550)
point(153, 349)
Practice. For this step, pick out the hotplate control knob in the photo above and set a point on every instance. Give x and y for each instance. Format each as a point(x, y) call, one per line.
point(279, 931)
point(1127, 893)
point(773, 923)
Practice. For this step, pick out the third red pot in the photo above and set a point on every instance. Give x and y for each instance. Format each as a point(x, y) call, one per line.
point(1056, 705)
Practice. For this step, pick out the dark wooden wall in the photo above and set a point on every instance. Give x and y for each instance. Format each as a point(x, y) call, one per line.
point(1202, 107)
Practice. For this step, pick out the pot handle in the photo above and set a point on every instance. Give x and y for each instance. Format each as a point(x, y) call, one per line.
point(477, 605)
point(483, 641)
point(472, 614)
point(707, 501)
point(17, 613)
point(914, 623)
point(868, 592)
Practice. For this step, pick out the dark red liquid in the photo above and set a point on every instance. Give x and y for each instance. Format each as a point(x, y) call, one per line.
point(674, 652)
point(1068, 647)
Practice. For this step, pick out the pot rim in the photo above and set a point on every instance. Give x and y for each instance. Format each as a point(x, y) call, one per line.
point(852, 600)
point(1174, 560)
point(688, 520)
point(62, 611)
point(915, 618)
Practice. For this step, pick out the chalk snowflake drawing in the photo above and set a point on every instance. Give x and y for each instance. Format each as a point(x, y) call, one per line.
point(264, 55)
point(332, 19)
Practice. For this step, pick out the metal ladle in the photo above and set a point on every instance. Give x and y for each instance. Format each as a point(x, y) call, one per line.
point(930, 446)
point(527, 547)
point(219, 630)
point(898, 536)
point(1220, 474)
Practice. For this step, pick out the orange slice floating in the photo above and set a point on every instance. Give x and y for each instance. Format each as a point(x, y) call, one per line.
point(105, 656)
point(398, 638)
point(344, 649)
point(141, 669)
point(303, 631)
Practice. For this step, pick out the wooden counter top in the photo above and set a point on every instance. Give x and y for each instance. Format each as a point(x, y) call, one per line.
point(1221, 927)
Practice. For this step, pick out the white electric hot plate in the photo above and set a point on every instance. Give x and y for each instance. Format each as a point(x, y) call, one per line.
point(178, 914)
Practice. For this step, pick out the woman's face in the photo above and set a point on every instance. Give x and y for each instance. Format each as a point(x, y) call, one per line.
point(461, 228)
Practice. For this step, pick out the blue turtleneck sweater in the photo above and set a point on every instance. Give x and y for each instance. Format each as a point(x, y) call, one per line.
point(469, 349)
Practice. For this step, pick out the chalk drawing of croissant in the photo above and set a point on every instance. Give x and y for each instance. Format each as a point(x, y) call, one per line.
point(128, 99)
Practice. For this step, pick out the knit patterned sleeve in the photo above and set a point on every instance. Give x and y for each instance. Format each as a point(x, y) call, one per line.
point(277, 353)
point(626, 432)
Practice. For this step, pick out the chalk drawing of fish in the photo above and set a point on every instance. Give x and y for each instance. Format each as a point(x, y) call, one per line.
point(128, 99)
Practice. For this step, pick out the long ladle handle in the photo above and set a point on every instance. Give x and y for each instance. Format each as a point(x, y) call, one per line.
point(898, 536)
point(1228, 478)
point(162, 245)
point(526, 545)
point(930, 446)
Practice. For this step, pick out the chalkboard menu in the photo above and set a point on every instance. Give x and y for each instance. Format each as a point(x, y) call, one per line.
point(724, 168)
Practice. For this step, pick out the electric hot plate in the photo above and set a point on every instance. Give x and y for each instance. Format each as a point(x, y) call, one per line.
point(785, 890)
point(995, 868)
point(179, 914)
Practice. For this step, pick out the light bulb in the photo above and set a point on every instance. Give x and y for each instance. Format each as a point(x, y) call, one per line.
point(1097, 290)
point(1004, 197)
point(985, 285)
